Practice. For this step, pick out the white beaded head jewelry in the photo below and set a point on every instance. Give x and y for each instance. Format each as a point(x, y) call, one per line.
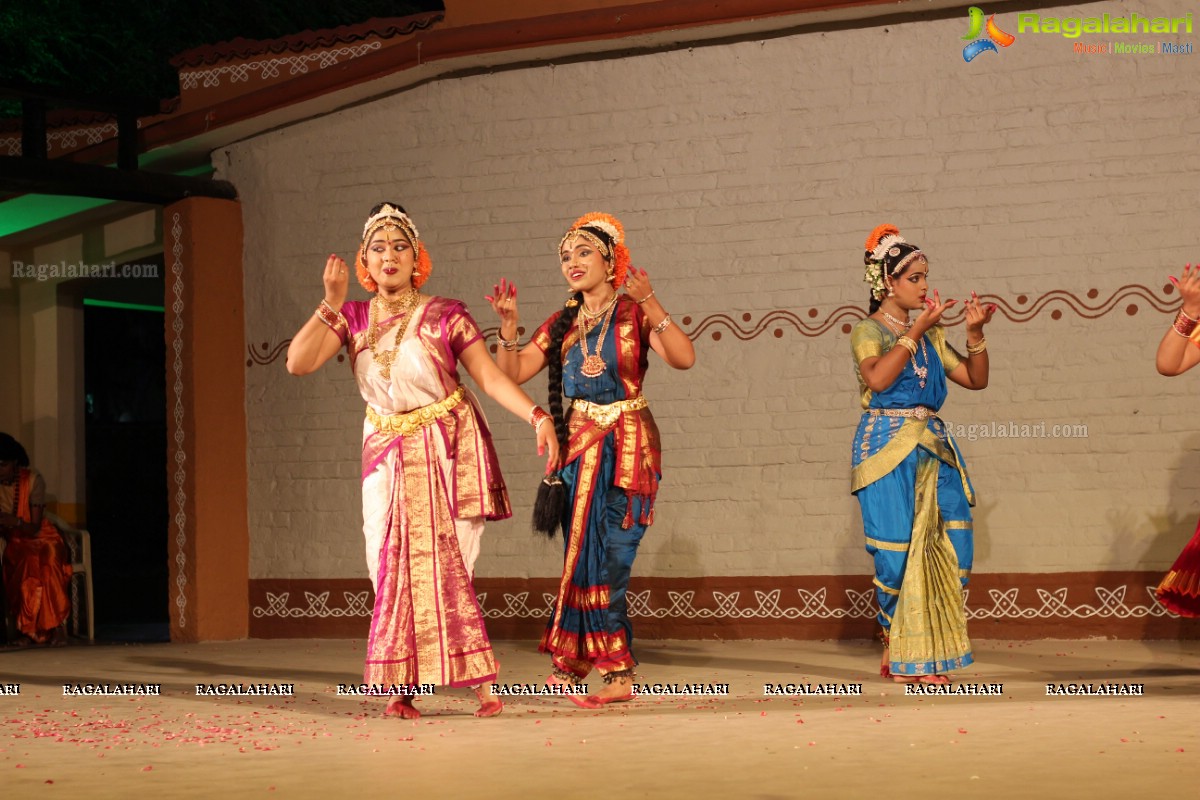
point(887, 253)
point(389, 213)
point(389, 216)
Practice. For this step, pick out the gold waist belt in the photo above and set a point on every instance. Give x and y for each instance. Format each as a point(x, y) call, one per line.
point(412, 421)
point(606, 415)
point(920, 412)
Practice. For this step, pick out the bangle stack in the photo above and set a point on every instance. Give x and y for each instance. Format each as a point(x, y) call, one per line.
point(977, 348)
point(537, 416)
point(507, 344)
point(662, 326)
point(1184, 325)
point(908, 344)
point(334, 319)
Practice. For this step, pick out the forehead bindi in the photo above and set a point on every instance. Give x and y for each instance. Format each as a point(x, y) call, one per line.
point(391, 236)
point(577, 248)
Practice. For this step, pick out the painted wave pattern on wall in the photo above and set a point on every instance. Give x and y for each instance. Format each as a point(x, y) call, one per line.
point(810, 324)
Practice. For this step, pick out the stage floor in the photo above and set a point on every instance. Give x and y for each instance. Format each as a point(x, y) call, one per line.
point(882, 744)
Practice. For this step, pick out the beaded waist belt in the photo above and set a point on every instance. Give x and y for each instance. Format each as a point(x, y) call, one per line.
point(412, 421)
point(920, 412)
point(606, 415)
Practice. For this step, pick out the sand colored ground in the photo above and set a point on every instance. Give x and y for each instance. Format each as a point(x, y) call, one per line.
point(882, 744)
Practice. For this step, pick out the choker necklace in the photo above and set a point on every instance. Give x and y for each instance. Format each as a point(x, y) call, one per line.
point(590, 317)
point(399, 305)
point(593, 365)
point(902, 324)
point(395, 308)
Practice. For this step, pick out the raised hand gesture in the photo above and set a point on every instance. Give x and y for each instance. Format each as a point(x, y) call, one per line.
point(503, 301)
point(637, 284)
point(978, 314)
point(1189, 289)
point(337, 281)
point(932, 314)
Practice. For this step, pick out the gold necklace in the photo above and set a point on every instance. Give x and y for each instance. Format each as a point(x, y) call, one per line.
point(590, 317)
point(395, 308)
point(593, 365)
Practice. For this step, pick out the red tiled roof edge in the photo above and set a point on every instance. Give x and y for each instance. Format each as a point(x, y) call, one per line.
point(384, 28)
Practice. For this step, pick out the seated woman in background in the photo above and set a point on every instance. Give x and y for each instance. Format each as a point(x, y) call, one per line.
point(36, 564)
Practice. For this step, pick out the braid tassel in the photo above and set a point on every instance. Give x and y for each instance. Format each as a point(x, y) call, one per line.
point(551, 499)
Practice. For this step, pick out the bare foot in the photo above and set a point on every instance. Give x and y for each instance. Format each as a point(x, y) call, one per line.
point(402, 707)
point(583, 701)
point(931, 680)
point(489, 704)
point(619, 690)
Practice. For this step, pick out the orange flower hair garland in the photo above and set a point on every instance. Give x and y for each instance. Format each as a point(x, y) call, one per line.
point(392, 217)
point(615, 231)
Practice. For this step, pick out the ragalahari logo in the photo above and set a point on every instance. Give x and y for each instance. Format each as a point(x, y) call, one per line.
point(995, 36)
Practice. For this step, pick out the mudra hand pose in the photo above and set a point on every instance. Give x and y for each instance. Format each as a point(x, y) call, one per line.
point(37, 567)
point(1178, 352)
point(429, 471)
point(596, 348)
point(908, 474)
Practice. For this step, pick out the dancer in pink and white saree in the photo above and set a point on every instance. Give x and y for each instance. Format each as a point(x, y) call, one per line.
point(429, 470)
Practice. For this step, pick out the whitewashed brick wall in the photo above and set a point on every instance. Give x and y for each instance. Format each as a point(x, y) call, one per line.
point(747, 176)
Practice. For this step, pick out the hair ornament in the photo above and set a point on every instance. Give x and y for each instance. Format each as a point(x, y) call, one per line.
point(877, 235)
point(391, 217)
point(614, 249)
point(389, 211)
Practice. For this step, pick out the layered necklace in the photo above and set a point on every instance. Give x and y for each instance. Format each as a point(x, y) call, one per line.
point(593, 365)
point(399, 307)
point(900, 327)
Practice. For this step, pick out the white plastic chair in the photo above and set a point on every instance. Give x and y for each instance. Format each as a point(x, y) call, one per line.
point(79, 545)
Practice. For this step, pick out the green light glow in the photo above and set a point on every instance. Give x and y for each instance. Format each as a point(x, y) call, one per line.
point(88, 301)
point(31, 210)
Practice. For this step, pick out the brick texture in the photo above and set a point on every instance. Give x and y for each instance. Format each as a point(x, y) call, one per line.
point(747, 175)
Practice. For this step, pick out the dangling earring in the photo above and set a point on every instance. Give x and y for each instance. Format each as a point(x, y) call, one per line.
point(890, 293)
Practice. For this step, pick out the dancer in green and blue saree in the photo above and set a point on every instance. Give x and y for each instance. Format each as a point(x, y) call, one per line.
point(597, 350)
point(908, 474)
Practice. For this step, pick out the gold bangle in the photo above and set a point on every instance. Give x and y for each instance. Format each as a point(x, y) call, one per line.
point(977, 348)
point(908, 344)
point(507, 344)
point(644, 299)
point(662, 326)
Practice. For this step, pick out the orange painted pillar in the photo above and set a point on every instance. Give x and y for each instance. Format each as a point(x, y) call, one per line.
point(208, 531)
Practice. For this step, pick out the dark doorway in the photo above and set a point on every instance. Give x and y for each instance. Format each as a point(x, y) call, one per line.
point(126, 452)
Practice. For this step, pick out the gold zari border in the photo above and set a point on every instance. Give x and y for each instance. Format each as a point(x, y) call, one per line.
point(879, 544)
